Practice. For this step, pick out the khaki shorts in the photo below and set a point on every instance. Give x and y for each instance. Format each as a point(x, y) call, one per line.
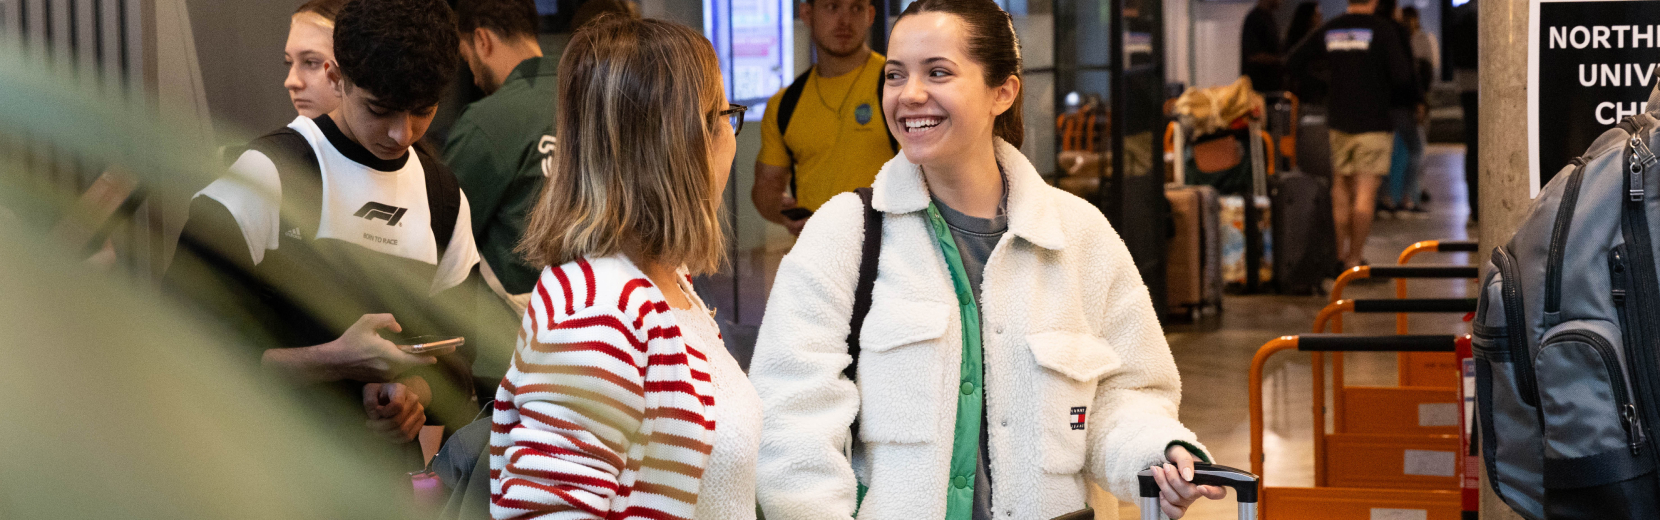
point(1364, 154)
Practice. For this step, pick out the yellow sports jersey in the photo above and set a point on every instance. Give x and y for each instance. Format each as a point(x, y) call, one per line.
point(836, 133)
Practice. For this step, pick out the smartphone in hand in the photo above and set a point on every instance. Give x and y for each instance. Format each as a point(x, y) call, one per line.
point(431, 345)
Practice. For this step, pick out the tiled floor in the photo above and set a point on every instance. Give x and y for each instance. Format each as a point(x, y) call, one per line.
point(1214, 355)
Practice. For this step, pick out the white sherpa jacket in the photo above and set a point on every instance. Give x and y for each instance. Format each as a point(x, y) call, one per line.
point(1067, 328)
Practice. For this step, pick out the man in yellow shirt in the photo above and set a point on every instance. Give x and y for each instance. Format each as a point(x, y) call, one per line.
point(825, 133)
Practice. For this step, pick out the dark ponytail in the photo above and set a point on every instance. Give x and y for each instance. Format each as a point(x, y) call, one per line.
point(991, 43)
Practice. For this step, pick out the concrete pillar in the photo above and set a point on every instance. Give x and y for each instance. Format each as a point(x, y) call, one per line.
point(1504, 166)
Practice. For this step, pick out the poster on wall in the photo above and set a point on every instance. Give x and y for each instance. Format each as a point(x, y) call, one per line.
point(1590, 64)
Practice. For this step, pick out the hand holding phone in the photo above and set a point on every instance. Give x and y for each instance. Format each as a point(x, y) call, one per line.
point(431, 345)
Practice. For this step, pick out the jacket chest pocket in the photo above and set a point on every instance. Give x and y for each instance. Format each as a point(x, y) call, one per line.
point(900, 371)
point(1071, 366)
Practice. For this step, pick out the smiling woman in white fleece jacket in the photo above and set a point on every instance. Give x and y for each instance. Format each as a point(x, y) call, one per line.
point(1079, 385)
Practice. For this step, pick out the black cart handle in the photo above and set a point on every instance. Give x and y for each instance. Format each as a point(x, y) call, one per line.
point(1415, 305)
point(1423, 271)
point(1244, 484)
point(1455, 246)
point(1390, 343)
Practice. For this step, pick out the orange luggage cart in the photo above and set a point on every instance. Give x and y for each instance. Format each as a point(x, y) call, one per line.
point(1423, 368)
point(1381, 464)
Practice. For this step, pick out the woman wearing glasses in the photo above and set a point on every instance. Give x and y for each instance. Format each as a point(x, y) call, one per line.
point(622, 400)
point(1010, 354)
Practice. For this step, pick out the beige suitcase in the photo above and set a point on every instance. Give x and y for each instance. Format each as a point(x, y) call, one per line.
point(1193, 267)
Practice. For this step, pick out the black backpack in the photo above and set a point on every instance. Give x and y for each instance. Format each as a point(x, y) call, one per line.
point(786, 110)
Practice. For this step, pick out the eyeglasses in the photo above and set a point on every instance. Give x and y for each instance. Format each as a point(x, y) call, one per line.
point(736, 112)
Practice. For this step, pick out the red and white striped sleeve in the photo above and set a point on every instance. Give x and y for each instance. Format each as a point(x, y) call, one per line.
point(572, 400)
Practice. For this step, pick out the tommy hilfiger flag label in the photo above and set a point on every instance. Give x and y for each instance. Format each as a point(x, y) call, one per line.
point(1077, 417)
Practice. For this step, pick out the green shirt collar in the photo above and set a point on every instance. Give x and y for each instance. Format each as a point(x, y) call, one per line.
point(532, 68)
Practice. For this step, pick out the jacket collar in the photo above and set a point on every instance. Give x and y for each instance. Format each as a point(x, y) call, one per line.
point(532, 68)
point(900, 188)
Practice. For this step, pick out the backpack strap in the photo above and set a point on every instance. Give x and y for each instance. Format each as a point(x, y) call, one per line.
point(786, 110)
point(300, 175)
point(869, 255)
point(1629, 124)
point(792, 96)
point(443, 195)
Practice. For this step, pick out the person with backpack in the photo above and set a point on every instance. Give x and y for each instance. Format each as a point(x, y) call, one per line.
point(962, 340)
point(824, 134)
point(334, 240)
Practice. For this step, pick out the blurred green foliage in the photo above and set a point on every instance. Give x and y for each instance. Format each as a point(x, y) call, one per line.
point(115, 401)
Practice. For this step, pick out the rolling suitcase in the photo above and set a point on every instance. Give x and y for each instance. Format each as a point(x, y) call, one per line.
point(1247, 243)
point(1305, 238)
point(1194, 270)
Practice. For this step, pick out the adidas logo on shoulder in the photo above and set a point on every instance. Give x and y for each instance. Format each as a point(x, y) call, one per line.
point(294, 234)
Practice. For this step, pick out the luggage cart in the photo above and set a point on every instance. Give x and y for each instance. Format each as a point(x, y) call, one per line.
point(1366, 419)
point(1383, 460)
point(1417, 370)
point(1422, 368)
point(1258, 158)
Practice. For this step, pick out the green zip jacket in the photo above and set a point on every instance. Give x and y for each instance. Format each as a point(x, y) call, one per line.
point(496, 149)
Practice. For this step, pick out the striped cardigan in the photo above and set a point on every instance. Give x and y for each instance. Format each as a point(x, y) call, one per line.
point(604, 412)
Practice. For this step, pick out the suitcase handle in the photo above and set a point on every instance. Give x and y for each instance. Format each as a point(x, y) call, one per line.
point(1244, 484)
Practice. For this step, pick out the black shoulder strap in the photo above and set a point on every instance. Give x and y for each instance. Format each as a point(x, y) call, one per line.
point(786, 110)
point(869, 255)
point(792, 95)
point(301, 178)
point(443, 194)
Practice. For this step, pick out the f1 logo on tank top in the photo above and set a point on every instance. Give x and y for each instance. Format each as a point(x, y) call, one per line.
point(376, 211)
